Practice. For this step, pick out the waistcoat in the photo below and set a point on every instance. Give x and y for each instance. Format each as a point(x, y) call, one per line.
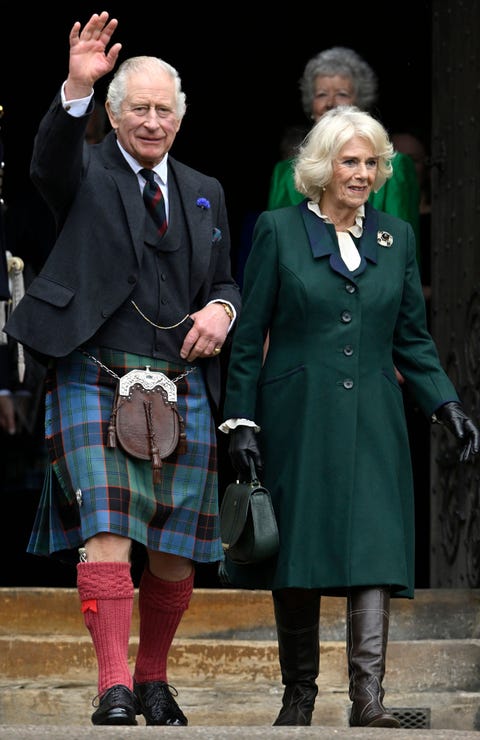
point(162, 293)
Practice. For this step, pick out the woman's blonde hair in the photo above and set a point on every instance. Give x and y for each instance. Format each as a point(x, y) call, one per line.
point(314, 162)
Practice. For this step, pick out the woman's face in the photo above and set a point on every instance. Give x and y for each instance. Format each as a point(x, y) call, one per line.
point(354, 172)
point(330, 92)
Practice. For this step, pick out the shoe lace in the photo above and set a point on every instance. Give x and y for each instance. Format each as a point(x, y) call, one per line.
point(165, 698)
point(115, 692)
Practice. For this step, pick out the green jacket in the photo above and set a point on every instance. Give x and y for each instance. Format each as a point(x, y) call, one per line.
point(333, 433)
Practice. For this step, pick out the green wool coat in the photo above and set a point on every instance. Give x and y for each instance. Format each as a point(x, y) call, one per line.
point(333, 433)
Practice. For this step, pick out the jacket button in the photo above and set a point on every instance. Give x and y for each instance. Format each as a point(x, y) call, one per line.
point(350, 288)
point(348, 350)
point(348, 384)
point(346, 317)
point(132, 279)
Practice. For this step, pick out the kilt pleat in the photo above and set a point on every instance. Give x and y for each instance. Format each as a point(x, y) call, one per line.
point(90, 488)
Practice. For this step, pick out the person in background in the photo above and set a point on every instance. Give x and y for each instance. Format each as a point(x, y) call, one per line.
point(411, 143)
point(7, 410)
point(413, 146)
point(340, 76)
point(335, 282)
point(117, 293)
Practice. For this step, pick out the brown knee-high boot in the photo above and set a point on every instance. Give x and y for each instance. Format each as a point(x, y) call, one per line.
point(368, 612)
point(297, 613)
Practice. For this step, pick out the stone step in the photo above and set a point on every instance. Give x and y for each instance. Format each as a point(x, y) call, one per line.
point(436, 614)
point(224, 659)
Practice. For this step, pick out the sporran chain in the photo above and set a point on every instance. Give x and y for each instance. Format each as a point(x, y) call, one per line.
point(117, 377)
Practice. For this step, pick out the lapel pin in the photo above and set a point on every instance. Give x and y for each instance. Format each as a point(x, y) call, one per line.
point(384, 238)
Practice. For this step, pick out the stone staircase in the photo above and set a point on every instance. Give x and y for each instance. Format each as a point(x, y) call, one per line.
point(224, 660)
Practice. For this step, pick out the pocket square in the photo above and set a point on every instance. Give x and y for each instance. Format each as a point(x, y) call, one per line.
point(216, 235)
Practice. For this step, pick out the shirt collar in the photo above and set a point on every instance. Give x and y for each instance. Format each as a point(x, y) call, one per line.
point(355, 230)
point(160, 169)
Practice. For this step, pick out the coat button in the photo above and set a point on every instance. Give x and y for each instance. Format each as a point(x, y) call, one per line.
point(350, 288)
point(132, 279)
point(348, 350)
point(346, 317)
point(348, 384)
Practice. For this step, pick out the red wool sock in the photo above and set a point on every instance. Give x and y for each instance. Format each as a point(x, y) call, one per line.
point(161, 605)
point(106, 595)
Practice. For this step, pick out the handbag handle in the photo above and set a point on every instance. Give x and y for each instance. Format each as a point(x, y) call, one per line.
point(253, 472)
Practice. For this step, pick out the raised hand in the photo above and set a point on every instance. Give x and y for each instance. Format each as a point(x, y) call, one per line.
point(89, 58)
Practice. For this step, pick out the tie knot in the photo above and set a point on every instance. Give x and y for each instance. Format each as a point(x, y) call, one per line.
point(149, 176)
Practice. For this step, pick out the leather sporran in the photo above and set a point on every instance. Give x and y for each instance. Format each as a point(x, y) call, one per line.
point(145, 420)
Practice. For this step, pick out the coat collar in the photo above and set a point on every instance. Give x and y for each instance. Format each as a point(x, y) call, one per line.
point(323, 241)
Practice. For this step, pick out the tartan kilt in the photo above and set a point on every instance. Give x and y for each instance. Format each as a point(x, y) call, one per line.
point(90, 488)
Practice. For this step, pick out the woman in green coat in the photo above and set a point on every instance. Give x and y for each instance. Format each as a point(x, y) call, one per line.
point(334, 284)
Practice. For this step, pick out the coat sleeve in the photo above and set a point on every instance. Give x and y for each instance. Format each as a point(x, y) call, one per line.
point(282, 187)
point(260, 289)
point(414, 352)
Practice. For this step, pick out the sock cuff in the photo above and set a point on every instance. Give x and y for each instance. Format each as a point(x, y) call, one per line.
point(104, 581)
point(166, 595)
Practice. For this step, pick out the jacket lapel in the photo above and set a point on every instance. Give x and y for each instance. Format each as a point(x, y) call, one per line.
point(199, 221)
point(323, 240)
point(128, 190)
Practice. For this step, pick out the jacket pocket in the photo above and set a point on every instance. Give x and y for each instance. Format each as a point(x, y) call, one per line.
point(287, 374)
point(390, 376)
point(50, 291)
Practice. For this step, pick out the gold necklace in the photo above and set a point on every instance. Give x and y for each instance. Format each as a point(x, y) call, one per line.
point(157, 326)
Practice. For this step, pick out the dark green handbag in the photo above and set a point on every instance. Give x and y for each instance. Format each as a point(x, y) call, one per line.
point(248, 526)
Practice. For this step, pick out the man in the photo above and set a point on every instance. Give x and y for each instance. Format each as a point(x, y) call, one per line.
point(118, 293)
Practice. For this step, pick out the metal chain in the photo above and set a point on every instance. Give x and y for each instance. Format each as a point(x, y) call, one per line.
point(157, 326)
point(117, 377)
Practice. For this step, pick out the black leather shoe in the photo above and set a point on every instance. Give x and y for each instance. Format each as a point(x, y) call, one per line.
point(156, 703)
point(117, 707)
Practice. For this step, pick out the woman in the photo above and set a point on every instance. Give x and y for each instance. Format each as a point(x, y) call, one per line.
point(339, 76)
point(336, 285)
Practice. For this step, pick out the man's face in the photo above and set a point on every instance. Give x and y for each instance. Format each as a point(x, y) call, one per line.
point(148, 123)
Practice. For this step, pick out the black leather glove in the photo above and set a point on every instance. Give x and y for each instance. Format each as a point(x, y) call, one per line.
point(456, 420)
point(243, 445)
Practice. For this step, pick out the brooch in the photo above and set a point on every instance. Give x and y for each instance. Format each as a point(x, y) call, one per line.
point(384, 238)
point(203, 203)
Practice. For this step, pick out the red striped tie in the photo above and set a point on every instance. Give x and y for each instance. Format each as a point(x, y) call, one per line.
point(152, 195)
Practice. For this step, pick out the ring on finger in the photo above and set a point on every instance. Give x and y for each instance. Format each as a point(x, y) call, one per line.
point(217, 350)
